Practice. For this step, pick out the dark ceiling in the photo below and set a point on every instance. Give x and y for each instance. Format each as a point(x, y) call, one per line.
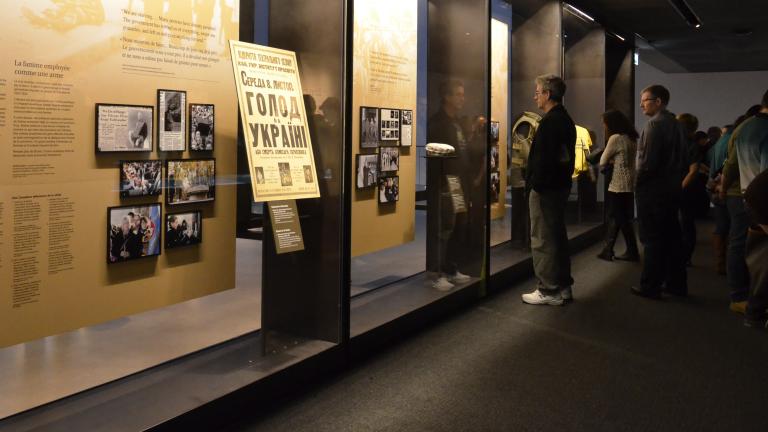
point(734, 35)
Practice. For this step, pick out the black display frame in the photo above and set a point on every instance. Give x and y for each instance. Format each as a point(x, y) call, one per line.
point(381, 160)
point(358, 157)
point(184, 115)
point(165, 181)
point(199, 214)
point(150, 133)
point(124, 194)
point(109, 230)
point(363, 109)
point(190, 132)
point(390, 142)
point(379, 186)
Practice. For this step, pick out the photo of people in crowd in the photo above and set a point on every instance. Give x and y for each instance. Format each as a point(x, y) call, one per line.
point(495, 187)
point(190, 180)
point(308, 178)
point(389, 189)
point(369, 127)
point(285, 174)
point(183, 229)
point(390, 159)
point(133, 232)
point(140, 178)
point(495, 131)
point(494, 158)
point(172, 108)
point(124, 128)
point(367, 170)
point(201, 127)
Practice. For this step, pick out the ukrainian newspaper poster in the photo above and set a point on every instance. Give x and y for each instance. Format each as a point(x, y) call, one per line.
point(274, 120)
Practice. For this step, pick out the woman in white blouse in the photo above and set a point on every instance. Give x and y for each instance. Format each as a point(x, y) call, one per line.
point(619, 159)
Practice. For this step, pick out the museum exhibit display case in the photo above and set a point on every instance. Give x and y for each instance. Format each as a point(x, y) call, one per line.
point(211, 204)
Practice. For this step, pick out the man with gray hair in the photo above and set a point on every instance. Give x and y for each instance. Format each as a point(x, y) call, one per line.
point(662, 163)
point(548, 181)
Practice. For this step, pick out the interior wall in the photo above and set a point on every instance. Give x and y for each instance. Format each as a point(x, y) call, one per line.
point(715, 98)
point(500, 106)
point(585, 77)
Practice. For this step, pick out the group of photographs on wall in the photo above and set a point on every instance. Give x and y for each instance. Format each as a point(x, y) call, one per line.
point(383, 130)
point(133, 128)
point(495, 184)
point(137, 231)
point(133, 231)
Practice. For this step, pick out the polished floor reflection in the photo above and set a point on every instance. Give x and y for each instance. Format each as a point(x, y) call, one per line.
point(51, 368)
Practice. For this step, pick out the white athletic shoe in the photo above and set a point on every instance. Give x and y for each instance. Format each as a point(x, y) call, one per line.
point(442, 284)
point(460, 278)
point(539, 298)
point(567, 294)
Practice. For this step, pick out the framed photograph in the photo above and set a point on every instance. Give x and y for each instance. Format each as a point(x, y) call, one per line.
point(201, 127)
point(190, 181)
point(286, 179)
point(389, 159)
point(183, 229)
point(495, 187)
point(389, 131)
point(495, 131)
point(133, 232)
point(171, 120)
point(308, 177)
point(389, 189)
point(494, 158)
point(369, 127)
point(124, 128)
point(141, 178)
point(406, 128)
point(367, 171)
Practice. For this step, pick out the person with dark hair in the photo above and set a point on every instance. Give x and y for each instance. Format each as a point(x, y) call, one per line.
point(731, 190)
point(713, 134)
point(661, 161)
point(548, 180)
point(751, 143)
point(447, 126)
point(620, 153)
point(695, 202)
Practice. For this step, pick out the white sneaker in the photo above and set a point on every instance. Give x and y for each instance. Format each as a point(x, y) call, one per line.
point(460, 278)
point(567, 294)
point(442, 284)
point(539, 298)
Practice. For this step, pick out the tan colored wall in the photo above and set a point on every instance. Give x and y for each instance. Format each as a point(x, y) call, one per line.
point(385, 68)
point(89, 38)
point(499, 104)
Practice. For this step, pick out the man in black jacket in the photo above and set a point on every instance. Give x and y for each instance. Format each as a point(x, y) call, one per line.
point(548, 180)
point(662, 163)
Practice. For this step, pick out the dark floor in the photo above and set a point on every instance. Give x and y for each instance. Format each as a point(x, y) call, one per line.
point(607, 362)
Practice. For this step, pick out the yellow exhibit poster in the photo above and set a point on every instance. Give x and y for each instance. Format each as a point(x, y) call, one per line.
point(384, 82)
point(274, 120)
point(80, 85)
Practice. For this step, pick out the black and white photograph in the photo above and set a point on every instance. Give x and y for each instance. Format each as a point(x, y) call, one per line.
point(171, 120)
point(133, 232)
point(285, 174)
point(190, 181)
point(369, 127)
point(494, 158)
point(389, 189)
point(495, 131)
point(183, 229)
point(141, 178)
point(406, 128)
point(367, 170)
point(389, 131)
point(308, 178)
point(389, 158)
point(124, 128)
point(201, 127)
point(260, 175)
point(495, 187)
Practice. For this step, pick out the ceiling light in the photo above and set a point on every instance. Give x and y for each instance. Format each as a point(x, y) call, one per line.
point(578, 12)
point(617, 36)
point(684, 9)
